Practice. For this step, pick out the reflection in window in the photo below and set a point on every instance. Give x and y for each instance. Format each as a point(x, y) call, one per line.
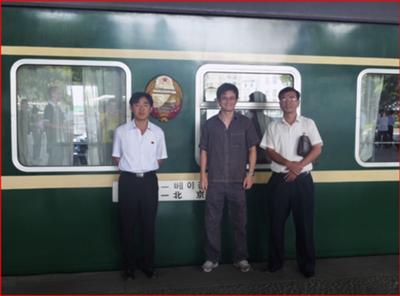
point(66, 114)
point(258, 88)
point(267, 84)
point(378, 134)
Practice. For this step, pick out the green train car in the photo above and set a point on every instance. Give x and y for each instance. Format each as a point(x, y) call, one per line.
point(59, 207)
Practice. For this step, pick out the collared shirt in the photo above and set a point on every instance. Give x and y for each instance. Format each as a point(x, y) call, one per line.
point(139, 153)
point(283, 138)
point(227, 149)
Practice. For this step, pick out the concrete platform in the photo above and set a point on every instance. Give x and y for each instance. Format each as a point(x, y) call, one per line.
point(352, 275)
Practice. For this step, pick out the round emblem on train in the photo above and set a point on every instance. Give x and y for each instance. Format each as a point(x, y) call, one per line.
point(167, 96)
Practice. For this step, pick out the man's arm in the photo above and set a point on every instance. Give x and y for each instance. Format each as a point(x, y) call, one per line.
point(311, 156)
point(203, 167)
point(295, 167)
point(161, 151)
point(276, 157)
point(314, 153)
point(249, 179)
point(115, 160)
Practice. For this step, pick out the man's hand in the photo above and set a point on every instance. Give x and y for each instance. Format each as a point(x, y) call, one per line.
point(203, 183)
point(289, 177)
point(248, 182)
point(294, 167)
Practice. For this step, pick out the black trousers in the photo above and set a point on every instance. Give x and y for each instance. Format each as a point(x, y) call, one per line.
point(296, 197)
point(390, 133)
point(138, 201)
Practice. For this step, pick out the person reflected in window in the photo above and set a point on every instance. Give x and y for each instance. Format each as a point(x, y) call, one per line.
point(260, 122)
point(291, 186)
point(110, 118)
point(23, 132)
point(383, 128)
point(396, 136)
point(391, 121)
point(37, 130)
point(227, 144)
point(138, 150)
point(53, 119)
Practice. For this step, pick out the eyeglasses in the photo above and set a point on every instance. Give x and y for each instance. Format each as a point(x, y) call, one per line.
point(289, 99)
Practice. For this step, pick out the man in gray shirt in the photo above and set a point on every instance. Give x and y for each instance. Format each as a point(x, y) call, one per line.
point(228, 143)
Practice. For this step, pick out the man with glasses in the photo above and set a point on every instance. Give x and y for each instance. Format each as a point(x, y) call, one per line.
point(291, 186)
point(228, 143)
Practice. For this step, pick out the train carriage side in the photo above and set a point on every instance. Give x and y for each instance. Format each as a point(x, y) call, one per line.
point(60, 216)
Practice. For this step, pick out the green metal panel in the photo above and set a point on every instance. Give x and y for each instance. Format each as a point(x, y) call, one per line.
point(77, 230)
point(58, 231)
point(100, 29)
point(357, 219)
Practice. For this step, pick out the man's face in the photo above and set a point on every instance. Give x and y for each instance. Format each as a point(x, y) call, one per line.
point(24, 105)
point(289, 102)
point(112, 108)
point(141, 109)
point(56, 95)
point(228, 101)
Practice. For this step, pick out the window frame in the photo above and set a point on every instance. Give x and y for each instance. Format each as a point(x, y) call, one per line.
point(358, 118)
point(238, 68)
point(13, 107)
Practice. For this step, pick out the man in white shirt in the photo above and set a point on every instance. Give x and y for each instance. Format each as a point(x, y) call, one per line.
point(291, 186)
point(139, 147)
point(383, 127)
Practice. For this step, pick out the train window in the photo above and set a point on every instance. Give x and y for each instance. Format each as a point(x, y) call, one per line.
point(258, 88)
point(377, 120)
point(64, 113)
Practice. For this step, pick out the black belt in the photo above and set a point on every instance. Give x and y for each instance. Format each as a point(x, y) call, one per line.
point(139, 175)
point(284, 174)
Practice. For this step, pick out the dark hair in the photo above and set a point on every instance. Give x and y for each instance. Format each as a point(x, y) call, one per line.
point(52, 89)
point(225, 87)
point(137, 95)
point(257, 96)
point(288, 89)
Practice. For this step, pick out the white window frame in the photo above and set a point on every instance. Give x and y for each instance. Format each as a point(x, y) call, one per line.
point(49, 62)
point(358, 118)
point(237, 68)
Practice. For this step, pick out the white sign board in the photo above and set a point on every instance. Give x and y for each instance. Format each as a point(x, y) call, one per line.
point(172, 191)
point(179, 190)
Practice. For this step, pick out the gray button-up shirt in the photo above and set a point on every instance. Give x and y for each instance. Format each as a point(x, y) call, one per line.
point(228, 149)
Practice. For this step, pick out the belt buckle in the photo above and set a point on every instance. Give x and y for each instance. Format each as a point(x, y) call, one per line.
point(139, 175)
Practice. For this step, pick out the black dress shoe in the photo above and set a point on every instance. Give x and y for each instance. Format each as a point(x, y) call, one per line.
point(272, 268)
point(308, 274)
point(149, 272)
point(129, 273)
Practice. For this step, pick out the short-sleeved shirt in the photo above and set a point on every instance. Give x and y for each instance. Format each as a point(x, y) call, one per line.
point(139, 153)
point(227, 149)
point(391, 120)
point(383, 123)
point(283, 138)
